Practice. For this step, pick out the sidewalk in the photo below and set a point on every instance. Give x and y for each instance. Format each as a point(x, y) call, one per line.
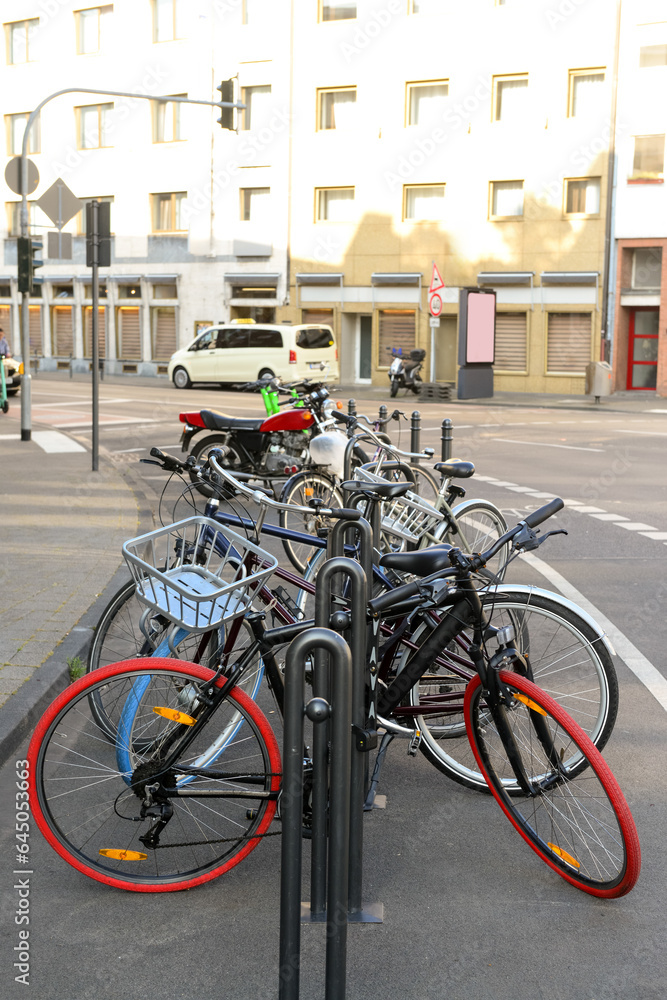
point(64, 527)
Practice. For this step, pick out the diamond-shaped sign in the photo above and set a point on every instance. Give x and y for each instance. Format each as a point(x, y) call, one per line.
point(59, 203)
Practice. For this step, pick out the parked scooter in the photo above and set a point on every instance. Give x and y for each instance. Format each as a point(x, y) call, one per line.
point(404, 372)
point(275, 446)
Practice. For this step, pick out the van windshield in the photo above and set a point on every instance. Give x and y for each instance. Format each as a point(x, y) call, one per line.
point(314, 338)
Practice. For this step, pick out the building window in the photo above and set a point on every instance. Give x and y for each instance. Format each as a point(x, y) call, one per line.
point(163, 332)
point(652, 55)
point(88, 330)
point(168, 20)
point(423, 202)
point(91, 27)
point(585, 93)
point(94, 128)
point(396, 328)
point(21, 38)
point(255, 204)
point(167, 212)
point(256, 100)
point(339, 10)
point(335, 108)
point(81, 217)
point(582, 196)
point(62, 332)
point(129, 291)
point(511, 354)
point(649, 157)
point(334, 204)
point(165, 290)
point(426, 101)
point(646, 267)
point(506, 199)
point(15, 127)
point(128, 333)
point(568, 343)
point(167, 120)
point(510, 95)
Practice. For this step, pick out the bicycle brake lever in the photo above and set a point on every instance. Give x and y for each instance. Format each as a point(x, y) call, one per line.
point(556, 531)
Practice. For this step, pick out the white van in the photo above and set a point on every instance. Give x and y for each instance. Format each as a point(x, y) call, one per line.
point(245, 351)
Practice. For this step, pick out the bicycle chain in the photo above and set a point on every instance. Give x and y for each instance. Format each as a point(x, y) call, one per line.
point(220, 840)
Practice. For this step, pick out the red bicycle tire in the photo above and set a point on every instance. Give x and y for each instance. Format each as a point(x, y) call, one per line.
point(627, 880)
point(108, 672)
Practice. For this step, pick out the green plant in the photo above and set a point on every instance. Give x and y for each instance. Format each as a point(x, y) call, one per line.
point(76, 667)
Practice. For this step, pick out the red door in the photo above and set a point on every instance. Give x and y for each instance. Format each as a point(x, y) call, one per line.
point(643, 349)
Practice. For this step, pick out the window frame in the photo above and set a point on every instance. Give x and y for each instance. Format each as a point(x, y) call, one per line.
point(647, 175)
point(506, 218)
point(101, 9)
point(154, 202)
point(572, 76)
point(8, 25)
point(568, 311)
point(329, 20)
point(504, 78)
point(245, 202)
point(633, 268)
point(319, 191)
point(409, 86)
point(246, 113)
point(321, 91)
point(581, 215)
point(412, 187)
point(109, 105)
point(81, 215)
point(174, 22)
point(176, 122)
point(35, 134)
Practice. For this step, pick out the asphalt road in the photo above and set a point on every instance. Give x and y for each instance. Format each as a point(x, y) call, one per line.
point(469, 912)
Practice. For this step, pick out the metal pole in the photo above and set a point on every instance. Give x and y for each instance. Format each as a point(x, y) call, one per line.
point(446, 440)
point(382, 415)
point(351, 407)
point(415, 434)
point(292, 810)
point(94, 236)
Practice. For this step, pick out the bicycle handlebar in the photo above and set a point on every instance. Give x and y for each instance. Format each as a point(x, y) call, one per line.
point(261, 498)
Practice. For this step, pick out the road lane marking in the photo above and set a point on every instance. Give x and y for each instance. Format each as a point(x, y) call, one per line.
point(660, 536)
point(54, 442)
point(640, 666)
point(610, 517)
point(542, 444)
point(650, 433)
point(637, 526)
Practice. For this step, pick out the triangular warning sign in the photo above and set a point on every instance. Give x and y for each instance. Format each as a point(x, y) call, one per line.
point(436, 280)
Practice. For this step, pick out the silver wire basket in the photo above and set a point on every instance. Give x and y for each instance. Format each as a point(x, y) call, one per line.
point(409, 516)
point(196, 572)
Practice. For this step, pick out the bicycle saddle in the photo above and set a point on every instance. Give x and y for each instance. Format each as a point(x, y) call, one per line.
point(421, 562)
point(377, 491)
point(455, 469)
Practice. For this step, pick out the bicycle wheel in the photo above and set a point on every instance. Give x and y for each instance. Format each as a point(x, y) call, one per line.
point(118, 637)
point(479, 524)
point(576, 820)
point(299, 489)
point(567, 657)
point(94, 814)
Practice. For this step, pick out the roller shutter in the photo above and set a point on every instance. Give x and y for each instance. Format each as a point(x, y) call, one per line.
point(317, 316)
point(569, 342)
point(129, 333)
point(88, 332)
point(164, 333)
point(511, 342)
point(61, 331)
point(35, 331)
point(397, 329)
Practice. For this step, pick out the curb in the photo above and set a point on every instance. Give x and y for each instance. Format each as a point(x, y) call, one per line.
point(22, 710)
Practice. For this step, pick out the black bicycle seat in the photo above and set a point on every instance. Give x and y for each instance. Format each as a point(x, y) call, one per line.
point(455, 469)
point(377, 491)
point(421, 562)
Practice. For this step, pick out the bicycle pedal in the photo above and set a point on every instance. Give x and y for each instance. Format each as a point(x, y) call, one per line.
point(415, 741)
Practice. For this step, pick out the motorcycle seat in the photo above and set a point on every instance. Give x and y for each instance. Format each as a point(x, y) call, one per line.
point(216, 421)
point(455, 469)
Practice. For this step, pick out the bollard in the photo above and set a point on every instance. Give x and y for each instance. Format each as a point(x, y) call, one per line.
point(415, 434)
point(382, 416)
point(70, 365)
point(446, 440)
point(318, 711)
point(351, 407)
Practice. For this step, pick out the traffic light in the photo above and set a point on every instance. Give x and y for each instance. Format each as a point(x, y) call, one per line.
point(29, 253)
point(226, 119)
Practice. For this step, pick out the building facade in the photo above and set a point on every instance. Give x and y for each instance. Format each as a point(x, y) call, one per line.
point(378, 138)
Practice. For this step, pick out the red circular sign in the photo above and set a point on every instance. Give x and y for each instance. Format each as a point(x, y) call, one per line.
point(435, 304)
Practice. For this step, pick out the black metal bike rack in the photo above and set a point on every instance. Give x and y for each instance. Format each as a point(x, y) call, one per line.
point(338, 709)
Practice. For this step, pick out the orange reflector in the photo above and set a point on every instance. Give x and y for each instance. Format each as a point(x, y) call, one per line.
point(339, 405)
point(308, 491)
point(111, 852)
point(171, 713)
point(526, 701)
point(567, 858)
